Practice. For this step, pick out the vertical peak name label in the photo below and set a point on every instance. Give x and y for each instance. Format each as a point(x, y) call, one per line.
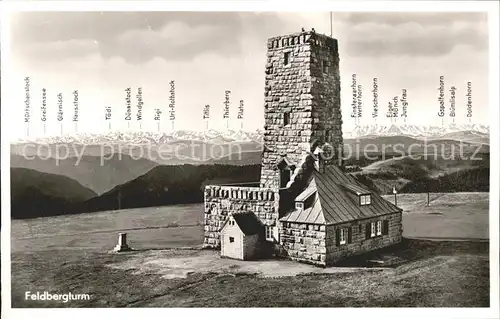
point(441, 111)
point(404, 104)
point(171, 104)
point(360, 103)
point(206, 115)
point(60, 110)
point(43, 110)
point(157, 117)
point(453, 95)
point(227, 102)
point(27, 104)
point(375, 99)
point(107, 116)
point(390, 111)
point(75, 109)
point(128, 106)
point(395, 108)
point(469, 101)
point(140, 104)
point(354, 104)
point(240, 113)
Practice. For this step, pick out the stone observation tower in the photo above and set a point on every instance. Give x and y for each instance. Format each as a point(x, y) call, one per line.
point(304, 207)
point(302, 103)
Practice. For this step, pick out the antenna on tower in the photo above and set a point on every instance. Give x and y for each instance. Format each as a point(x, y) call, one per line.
point(331, 25)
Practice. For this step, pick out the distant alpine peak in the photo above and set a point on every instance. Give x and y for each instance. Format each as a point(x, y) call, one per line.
point(228, 136)
point(145, 137)
point(414, 130)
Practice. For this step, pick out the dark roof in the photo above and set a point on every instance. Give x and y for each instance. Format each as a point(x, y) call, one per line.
point(310, 189)
point(335, 204)
point(309, 215)
point(248, 223)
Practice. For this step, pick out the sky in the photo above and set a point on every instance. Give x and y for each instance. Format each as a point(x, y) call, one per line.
point(101, 54)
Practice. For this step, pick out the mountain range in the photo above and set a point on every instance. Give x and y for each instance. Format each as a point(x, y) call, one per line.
point(417, 131)
point(146, 168)
point(477, 131)
point(90, 171)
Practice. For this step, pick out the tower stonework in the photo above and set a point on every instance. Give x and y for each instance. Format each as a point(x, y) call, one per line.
point(302, 104)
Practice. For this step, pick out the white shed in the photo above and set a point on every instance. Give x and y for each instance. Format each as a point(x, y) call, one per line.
point(240, 236)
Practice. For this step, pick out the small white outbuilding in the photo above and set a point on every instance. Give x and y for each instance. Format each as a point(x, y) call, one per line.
point(240, 236)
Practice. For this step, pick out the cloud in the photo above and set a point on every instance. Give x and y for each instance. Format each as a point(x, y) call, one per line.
point(61, 50)
point(175, 40)
point(398, 18)
point(413, 34)
point(136, 36)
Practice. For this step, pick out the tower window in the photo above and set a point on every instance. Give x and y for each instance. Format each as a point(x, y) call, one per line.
point(286, 118)
point(269, 233)
point(325, 67)
point(327, 136)
point(287, 58)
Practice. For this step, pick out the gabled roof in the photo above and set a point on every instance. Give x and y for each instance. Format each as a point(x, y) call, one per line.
point(310, 189)
point(334, 203)
point(310, 215)
point(248, 223)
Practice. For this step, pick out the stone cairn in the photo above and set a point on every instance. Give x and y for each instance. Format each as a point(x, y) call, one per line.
point(122, 243)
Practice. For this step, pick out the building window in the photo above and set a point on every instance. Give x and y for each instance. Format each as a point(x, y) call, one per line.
point(327, 136)
point(374, 229)
point(385, 229)
point(269, 233)
point(325, 67)
point(343, 236)
point(287, 58)
point(231, 239)
point(379, 228)
point(299, 205)
point(365, 199)
point(286, 118)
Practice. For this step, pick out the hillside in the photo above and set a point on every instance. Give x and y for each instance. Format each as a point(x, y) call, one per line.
point(477, 179)
point(404, 145)
point(167, 185)
point(36, 194)
point(413, 175)
point(97, 173)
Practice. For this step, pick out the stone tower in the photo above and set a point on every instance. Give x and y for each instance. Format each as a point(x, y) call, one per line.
point(302, 104)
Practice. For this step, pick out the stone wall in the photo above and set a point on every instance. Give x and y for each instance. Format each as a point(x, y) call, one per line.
point(360, 244)
point(327, 115)
point(308, 88)
point(220, 201)
point(303, 242)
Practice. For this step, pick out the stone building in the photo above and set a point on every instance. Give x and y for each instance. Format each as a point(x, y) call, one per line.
point(310, 210)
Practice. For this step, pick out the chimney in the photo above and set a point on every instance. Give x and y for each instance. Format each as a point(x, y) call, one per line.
point(319, 162)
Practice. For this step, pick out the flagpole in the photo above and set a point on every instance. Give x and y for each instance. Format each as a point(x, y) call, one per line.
point(331, 25)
